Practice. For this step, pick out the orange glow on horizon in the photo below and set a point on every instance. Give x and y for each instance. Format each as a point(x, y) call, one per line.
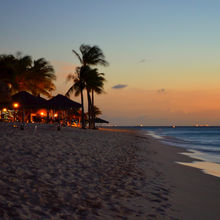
point(152, 107)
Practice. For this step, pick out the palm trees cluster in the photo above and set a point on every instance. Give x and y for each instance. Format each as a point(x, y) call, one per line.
point(22, 73)
point(88, 78)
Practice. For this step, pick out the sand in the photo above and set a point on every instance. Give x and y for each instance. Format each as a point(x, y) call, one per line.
point(99, 174)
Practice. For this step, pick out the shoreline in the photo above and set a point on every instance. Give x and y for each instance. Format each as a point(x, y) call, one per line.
point(195, 194)
point(205, 165)
point(99, 174)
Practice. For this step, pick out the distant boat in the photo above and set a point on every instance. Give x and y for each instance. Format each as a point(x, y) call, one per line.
point(198, 125)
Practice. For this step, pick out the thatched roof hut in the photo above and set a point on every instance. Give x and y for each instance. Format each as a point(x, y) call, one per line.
point(26, 100)
point(61, 102)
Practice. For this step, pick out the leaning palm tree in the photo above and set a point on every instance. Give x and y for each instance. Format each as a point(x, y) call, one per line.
point(90, 55)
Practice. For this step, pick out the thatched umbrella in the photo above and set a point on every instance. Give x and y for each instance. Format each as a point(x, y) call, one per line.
point(99, 120)
point(61, 102)
point(28, 101)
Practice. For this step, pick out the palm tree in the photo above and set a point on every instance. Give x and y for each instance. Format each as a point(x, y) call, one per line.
point(13, 71)
point(94, 84)
point(78, 87)
point(7, 70)
point(21, 73)
point(90, 55)
point(40, 78)
point(96, 111)
point(4, 94)
point(22, 67)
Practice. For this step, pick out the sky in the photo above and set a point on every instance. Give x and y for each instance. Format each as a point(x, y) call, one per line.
point(163, 55)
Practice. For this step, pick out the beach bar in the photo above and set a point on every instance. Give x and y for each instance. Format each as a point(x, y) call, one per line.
point(27, 108)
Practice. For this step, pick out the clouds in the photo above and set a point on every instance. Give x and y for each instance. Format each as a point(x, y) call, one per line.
point(119, 86)
point(122, 86)
point(161, 90)
point(142, 61)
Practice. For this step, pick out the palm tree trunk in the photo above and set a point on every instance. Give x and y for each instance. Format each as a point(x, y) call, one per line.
point(93, 113)
point(89, 108)
point(82, 103)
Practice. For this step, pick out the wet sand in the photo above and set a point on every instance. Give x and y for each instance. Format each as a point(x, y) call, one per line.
point(99, 174)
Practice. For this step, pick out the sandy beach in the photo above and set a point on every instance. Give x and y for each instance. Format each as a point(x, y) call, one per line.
point(99, 174)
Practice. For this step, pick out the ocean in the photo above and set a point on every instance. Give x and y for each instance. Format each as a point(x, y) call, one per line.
point(201, 142)
point(204, 142)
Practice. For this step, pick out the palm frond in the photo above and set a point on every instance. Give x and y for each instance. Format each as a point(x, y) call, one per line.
point(70, 91)
point(78, 56)
point(69, 77)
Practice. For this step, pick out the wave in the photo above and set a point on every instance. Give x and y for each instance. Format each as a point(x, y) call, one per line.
point(153, 134)
point(206, 141)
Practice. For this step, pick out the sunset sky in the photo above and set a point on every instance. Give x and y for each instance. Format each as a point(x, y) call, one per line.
point(164, 55)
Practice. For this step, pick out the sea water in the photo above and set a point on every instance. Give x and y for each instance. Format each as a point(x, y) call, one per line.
point(201, 143)
point(204, 141)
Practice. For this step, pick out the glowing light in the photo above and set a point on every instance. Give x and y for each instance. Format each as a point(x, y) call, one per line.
point(55, 115)
point(15, 105)
point(4, 109)
point(42, 114)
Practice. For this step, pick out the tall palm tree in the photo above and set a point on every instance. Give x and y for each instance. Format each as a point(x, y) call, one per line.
point(90, 80)
point(90, 55)
point(78, 87)
point(94, 84)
